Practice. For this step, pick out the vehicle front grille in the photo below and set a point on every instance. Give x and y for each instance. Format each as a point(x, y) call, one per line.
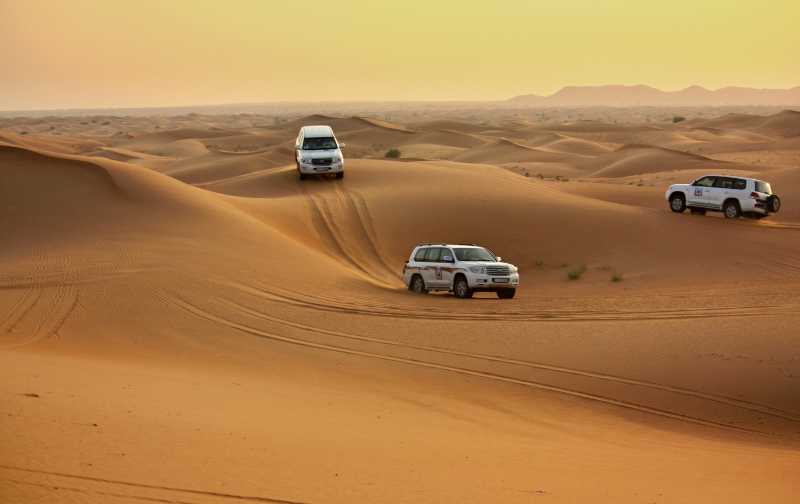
point(498, 270)
point(321, 161)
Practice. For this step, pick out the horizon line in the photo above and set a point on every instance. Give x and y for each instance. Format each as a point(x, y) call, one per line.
point(399, 100)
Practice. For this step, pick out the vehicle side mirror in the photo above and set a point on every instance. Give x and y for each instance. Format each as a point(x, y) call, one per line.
point(499, 259)
point(448, 259)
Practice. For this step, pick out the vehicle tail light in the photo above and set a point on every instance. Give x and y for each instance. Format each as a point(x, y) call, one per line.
point(754, 195)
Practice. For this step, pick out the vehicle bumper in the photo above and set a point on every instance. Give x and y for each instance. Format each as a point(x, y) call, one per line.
point(493, 282)
point(311, 169)
point(754, 206)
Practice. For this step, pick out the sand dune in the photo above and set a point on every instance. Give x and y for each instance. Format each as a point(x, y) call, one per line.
point(507, 151)
point(182, 320)
point(577, 146)
point(636, 159)
point(783, 124)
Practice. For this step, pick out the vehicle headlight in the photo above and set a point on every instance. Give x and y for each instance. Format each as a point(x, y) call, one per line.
point(478, 269)
point(306, 160)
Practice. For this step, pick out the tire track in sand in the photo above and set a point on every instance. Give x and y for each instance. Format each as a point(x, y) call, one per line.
point(52, 308)
point(359, 205)
point(87, 492)
point(337, 305)
point(24, 304)
point(189, 491)
point(253, 331)
point(721, 399)
point(358, 251)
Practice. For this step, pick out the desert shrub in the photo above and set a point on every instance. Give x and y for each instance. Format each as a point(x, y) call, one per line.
point(616, 277)
point(576, 273)
point(393, 154)
point(678, 119)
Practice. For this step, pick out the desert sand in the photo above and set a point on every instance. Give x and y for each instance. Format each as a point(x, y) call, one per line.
point(182, 320)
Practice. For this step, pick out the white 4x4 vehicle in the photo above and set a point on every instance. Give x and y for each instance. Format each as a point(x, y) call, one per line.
point(734, 196)
point(317, 152)
point(460, 269)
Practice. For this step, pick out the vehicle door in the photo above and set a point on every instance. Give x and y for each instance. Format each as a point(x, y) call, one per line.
point(446, 267)
point(700, 193)
point(723, 188)
point(739, 190)
point(428, 266)
point(416, 263)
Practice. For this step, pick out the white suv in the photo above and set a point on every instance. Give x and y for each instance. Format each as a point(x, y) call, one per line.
point(317, 152)
point(460, 269)
point(734, 196)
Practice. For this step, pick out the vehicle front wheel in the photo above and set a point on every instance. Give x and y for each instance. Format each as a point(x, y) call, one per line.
point(417, 285)
point(677, 203)
point(506, 293)
point(461, 288)
point(731, 209)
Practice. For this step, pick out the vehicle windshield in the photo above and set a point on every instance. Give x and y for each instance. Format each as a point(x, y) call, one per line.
point(763, 187)
point(319, 143)
point(474, 254)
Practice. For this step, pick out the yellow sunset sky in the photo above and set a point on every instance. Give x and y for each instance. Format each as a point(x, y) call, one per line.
point(108, 53)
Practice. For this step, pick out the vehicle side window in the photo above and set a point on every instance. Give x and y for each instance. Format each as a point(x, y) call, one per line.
point(705, 182)
point(420, 255)
point(433, 255)
point(448, 252)
point(739, 184)
point(763, 187)
point(443, 251)
point(723, 183)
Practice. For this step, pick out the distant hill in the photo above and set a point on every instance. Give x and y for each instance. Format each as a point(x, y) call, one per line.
point(632, 96)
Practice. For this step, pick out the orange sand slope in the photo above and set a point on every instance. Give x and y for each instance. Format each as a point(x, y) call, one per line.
point(183, 320)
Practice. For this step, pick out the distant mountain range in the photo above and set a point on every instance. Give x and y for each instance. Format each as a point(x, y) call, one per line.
point(633, 96)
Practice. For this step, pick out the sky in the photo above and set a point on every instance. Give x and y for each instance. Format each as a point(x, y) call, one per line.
point(111, 53)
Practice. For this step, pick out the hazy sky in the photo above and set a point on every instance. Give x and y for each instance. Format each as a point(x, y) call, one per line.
point(107, 53)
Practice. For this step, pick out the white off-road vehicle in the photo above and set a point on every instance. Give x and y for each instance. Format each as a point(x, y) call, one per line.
point(460, 269)
point(734, 196)
point(318, 152)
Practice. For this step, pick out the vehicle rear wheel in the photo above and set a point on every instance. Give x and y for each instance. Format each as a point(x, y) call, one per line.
point(677, 203)
point(773, 203)
point(506, 293)
point(417, 285)
point(461, 288)
point(731, 209)
point(698, 211)
point(340, 175)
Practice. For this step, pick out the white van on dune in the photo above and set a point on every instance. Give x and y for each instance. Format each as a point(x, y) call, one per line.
point(317, 152)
